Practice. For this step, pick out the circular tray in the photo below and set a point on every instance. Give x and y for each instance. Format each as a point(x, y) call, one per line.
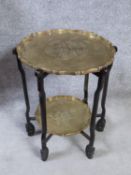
point(66, 115)
point(66, 51)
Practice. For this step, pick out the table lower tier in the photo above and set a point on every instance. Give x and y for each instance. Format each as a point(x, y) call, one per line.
point(66, 115)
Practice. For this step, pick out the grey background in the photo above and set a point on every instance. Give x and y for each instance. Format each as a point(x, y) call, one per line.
point(18, 153)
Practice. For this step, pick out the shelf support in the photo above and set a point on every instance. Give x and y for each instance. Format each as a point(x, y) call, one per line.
point(86, 81)
point(101, 122)
point(90, 148)
point(29, 126)
point(42, 100)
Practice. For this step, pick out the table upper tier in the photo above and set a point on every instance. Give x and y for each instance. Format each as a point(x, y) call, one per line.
point(62, 51)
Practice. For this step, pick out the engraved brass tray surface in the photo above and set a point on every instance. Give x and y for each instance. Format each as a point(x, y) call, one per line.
point(64, 51)
point(66, 115)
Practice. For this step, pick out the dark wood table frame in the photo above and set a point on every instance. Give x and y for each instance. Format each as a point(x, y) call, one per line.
point(102, 85)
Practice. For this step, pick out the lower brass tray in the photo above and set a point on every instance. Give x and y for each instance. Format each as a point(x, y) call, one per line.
point(66, 115)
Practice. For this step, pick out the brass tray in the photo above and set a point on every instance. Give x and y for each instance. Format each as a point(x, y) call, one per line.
point(66, 115)
point(66, 51)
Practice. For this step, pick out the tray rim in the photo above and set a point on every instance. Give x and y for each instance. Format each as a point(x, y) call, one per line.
point(61, 72)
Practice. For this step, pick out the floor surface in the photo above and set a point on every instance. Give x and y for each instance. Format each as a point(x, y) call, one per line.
point(20, 154)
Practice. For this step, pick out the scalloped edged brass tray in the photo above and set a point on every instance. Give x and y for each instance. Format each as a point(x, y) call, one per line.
point(66, 115)
point(64, 51)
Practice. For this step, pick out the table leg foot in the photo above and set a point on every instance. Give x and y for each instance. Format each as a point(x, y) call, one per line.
point(90, 150)
point(30, 129)
point(101, 124)
point(44, 153)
